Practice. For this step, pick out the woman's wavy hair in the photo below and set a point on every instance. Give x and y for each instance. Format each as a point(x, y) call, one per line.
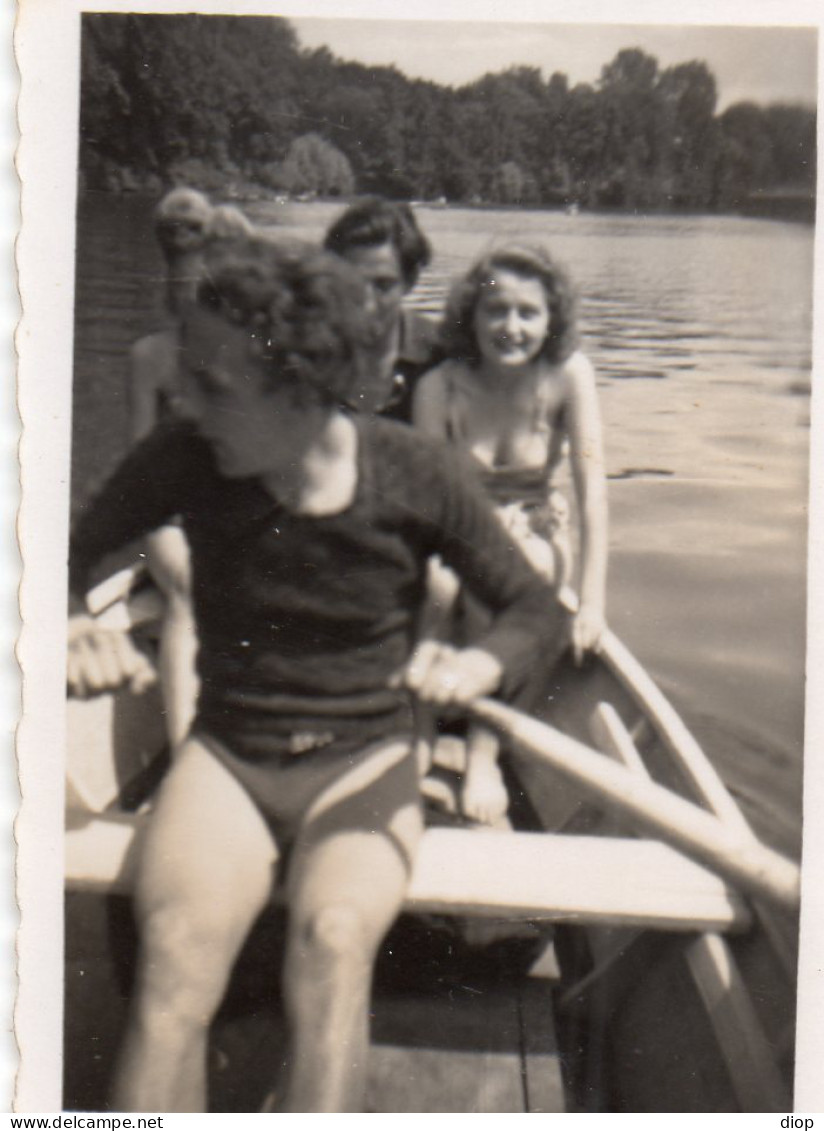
point(458, 327)
point(304, 309)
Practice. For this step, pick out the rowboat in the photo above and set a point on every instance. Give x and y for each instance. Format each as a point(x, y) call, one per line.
point(625, 943)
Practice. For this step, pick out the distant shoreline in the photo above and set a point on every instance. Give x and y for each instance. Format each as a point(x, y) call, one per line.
point(790, 205)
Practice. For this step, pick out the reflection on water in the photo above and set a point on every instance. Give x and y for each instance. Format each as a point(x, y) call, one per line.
point(700, 331)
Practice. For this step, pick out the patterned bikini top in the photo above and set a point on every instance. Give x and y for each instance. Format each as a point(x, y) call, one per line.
point(505, 478)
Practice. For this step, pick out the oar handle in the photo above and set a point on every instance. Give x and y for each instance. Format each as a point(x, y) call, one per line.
point(732, 852)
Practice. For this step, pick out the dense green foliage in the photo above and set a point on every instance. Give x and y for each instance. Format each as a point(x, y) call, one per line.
point(234, 106)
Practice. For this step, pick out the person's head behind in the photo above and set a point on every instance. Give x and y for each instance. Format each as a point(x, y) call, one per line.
point(271, 345)
point(373, 221)
point(300, 309)
point(185, 224)
point(382, 241)
point(181, 221)
point(477, 289)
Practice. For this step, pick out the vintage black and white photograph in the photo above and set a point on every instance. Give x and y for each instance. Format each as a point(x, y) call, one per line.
point(435, 430)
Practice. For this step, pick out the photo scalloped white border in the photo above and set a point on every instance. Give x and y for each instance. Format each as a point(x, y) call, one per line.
point(47, 41)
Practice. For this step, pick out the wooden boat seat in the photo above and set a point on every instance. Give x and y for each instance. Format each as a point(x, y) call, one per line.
point(490, 874)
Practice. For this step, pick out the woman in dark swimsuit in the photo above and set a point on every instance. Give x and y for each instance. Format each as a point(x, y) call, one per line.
point(310, 531)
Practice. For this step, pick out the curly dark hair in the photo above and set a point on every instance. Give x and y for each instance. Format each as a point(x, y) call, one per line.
point(372, 221)
point(458, 330)
point(304, 309)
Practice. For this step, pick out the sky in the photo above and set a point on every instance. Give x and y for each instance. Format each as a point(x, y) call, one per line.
point(759, 64)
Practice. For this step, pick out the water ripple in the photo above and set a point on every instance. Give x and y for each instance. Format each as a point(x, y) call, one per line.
point(700, 332)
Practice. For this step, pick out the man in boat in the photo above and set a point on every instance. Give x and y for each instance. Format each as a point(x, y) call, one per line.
point(382, 241)
point(310, 529)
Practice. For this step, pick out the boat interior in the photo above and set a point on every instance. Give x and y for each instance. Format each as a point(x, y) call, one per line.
point(570, 960)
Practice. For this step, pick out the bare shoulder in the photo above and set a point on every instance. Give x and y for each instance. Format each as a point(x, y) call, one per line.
point(154, 361)
point(432, 387)
point(435, 397)
point(453, 377)
point(578, 377)
point(578, 370)
point(155, 348)
point(437, 376)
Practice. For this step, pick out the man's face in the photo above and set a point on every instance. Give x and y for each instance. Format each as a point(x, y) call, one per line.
point(380, 269)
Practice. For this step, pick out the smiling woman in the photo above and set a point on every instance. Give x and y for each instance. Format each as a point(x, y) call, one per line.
point(512, 320)
point(301, 761)
point(517, 394)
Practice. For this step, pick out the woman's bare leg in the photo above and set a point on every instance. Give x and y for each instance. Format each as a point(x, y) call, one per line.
point(345, 894)
point(205, 874)
point(483, 794)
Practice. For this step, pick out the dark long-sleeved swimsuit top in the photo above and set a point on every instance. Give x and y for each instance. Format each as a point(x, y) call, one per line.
point(302, 619)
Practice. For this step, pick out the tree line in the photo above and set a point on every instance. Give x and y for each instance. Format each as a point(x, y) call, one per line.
point(234, 106)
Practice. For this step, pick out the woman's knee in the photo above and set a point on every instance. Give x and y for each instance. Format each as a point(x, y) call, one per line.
point(186, 960)
point(335, 933)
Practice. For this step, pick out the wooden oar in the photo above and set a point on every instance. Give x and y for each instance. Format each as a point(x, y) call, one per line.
point(702, 775)
point(731, 852)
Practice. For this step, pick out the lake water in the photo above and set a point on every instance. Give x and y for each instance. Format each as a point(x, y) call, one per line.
point(700, 332)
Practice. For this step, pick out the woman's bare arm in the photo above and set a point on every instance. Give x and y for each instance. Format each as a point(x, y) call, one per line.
point(583, 420)
point(429, 406)
point(152, 363)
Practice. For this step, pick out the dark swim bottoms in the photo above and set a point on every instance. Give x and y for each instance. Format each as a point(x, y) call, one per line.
point(344, 786)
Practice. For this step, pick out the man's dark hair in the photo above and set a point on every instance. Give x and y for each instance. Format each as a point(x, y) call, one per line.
point(373, 221)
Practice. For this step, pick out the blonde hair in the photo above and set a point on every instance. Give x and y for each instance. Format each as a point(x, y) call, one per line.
point(182, 220)
point(186, 223)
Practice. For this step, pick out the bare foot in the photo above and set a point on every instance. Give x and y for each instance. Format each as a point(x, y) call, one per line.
point(484, 797)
